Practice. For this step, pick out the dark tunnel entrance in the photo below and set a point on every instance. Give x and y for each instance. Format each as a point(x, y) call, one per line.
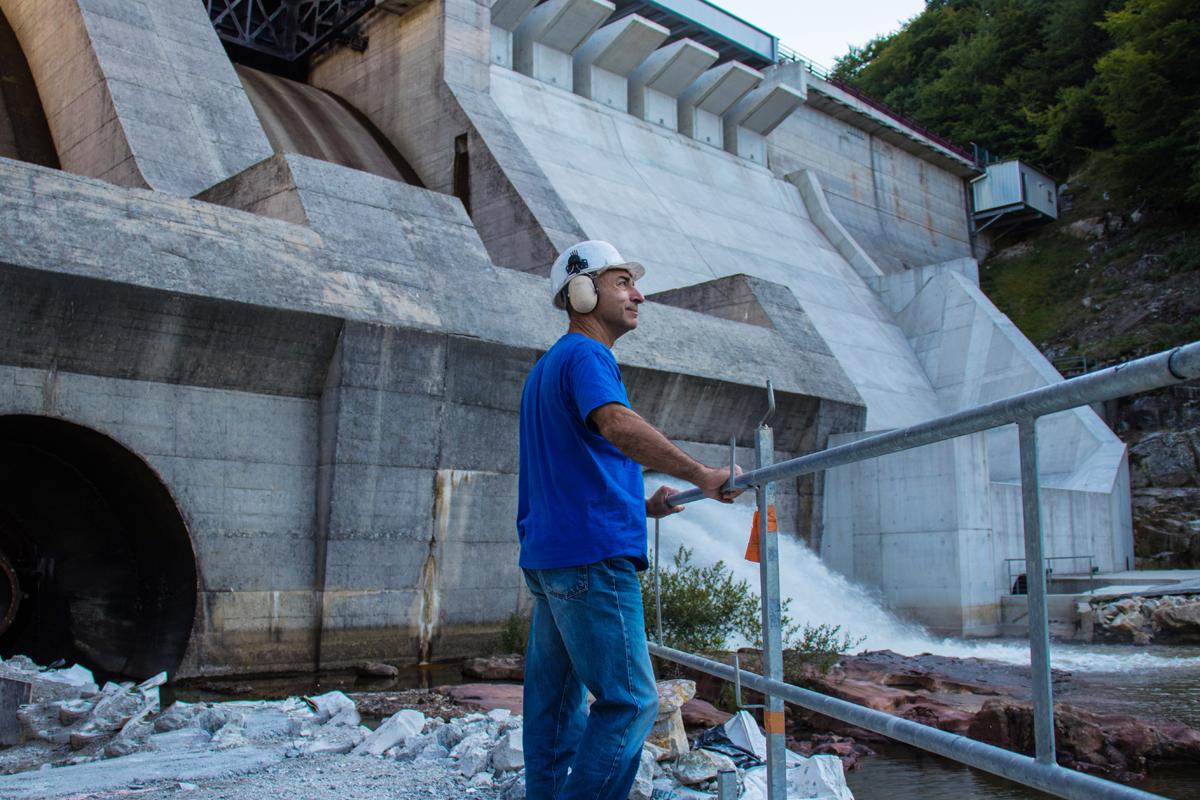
point(96, 565)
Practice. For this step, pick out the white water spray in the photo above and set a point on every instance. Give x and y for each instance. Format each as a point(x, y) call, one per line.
point(715, 532)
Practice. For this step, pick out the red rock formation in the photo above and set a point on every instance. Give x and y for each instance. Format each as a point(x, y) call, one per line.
point(991, 702)
point(485, 696)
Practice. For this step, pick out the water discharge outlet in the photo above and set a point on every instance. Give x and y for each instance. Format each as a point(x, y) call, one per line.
point(96, 564)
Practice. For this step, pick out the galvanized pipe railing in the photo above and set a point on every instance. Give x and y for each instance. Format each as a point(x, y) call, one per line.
point(1041, 772)
point(996, 760)
point(1142, 375)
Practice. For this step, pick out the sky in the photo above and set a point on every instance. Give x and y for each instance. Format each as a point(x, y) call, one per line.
point(823, 31)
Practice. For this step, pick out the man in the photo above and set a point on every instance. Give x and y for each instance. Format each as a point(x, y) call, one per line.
point(581, 520)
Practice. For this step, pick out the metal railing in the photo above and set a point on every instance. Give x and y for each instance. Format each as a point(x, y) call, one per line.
point(1041, 772)
point(1014, 576)
point(1070, 366)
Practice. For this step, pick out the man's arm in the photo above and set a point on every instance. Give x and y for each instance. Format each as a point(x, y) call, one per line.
point(646, 445)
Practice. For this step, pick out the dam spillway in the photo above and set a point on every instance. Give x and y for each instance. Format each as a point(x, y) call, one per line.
point(291, 321)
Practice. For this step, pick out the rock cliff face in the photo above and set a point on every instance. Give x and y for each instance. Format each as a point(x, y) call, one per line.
point(1111, 281)
point(1165, 481)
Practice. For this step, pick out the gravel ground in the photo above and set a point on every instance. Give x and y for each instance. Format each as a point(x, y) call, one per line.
point(320, 778)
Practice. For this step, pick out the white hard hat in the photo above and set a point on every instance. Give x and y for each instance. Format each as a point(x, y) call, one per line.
point(587, 258)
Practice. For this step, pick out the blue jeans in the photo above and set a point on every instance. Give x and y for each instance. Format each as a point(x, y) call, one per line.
point(587, 634)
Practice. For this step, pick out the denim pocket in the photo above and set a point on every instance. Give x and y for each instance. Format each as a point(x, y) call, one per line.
point(566, 582)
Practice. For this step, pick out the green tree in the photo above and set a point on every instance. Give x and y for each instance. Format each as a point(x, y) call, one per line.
point(1148, 87)
point(1015, 76)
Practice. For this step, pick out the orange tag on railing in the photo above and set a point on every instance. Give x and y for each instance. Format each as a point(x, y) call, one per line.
point(752, 545)
point(772, 527)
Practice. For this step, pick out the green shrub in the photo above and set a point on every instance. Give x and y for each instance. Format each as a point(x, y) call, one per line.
point(702, 607)
point(817, 646)
point(514, 636)
point(1041, 290)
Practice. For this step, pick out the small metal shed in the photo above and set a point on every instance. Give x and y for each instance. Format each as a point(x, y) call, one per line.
point(1015, 191)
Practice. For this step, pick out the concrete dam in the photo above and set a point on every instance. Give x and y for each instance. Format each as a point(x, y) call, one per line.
point(266, 308)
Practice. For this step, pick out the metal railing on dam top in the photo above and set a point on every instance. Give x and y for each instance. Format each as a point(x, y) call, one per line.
point(1024, 409)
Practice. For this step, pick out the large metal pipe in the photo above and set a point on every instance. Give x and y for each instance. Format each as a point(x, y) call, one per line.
point(1016, 767)
point(1152, 372)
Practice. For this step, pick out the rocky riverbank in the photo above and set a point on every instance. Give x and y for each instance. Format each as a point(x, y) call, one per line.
point(1141, 620)
point(77, 739)
point(991, 702)
point(986, 700)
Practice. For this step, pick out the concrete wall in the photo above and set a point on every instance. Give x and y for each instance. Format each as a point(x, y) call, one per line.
point(241, 467)
point(975, 355)
point(799, 501)
point(369, 321)
point(902, 210)
point(850, 218)
point(692, 213)
point(440, 51)
point(24, 133)
point(918, 526)
point(138, 93)
point(335, 421)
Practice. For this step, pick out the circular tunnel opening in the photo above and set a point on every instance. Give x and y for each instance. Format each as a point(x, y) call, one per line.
point(96, 565)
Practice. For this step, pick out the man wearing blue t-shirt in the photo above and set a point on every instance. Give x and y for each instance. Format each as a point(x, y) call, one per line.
point(581, 520)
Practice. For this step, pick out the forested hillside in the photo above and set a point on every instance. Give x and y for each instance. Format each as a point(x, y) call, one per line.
point(1105, 96)
point(1054, 82)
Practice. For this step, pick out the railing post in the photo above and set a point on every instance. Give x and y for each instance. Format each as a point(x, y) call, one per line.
point(658, 637)
point(768, 543)
point(1035, 583)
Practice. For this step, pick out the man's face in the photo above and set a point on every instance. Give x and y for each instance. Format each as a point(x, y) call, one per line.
point(618, 303)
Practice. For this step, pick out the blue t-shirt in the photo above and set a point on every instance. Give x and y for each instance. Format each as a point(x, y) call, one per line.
point(580, 498)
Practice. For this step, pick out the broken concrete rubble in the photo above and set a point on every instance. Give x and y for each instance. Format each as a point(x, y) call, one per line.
point(668, 731)
point(509, 753)
point(89, 739)
point(49, 684)
point(394, 731)
point(699, 766)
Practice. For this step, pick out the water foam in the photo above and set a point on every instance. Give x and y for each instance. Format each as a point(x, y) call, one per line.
point(818, 595)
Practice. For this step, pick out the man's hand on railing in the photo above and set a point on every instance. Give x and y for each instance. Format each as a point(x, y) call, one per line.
point(657, 506)
point(713, 481)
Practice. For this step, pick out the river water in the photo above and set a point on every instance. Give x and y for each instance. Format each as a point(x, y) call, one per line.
point(1150, 682)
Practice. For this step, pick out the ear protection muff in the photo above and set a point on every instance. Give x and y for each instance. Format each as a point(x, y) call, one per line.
point(581, 294)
